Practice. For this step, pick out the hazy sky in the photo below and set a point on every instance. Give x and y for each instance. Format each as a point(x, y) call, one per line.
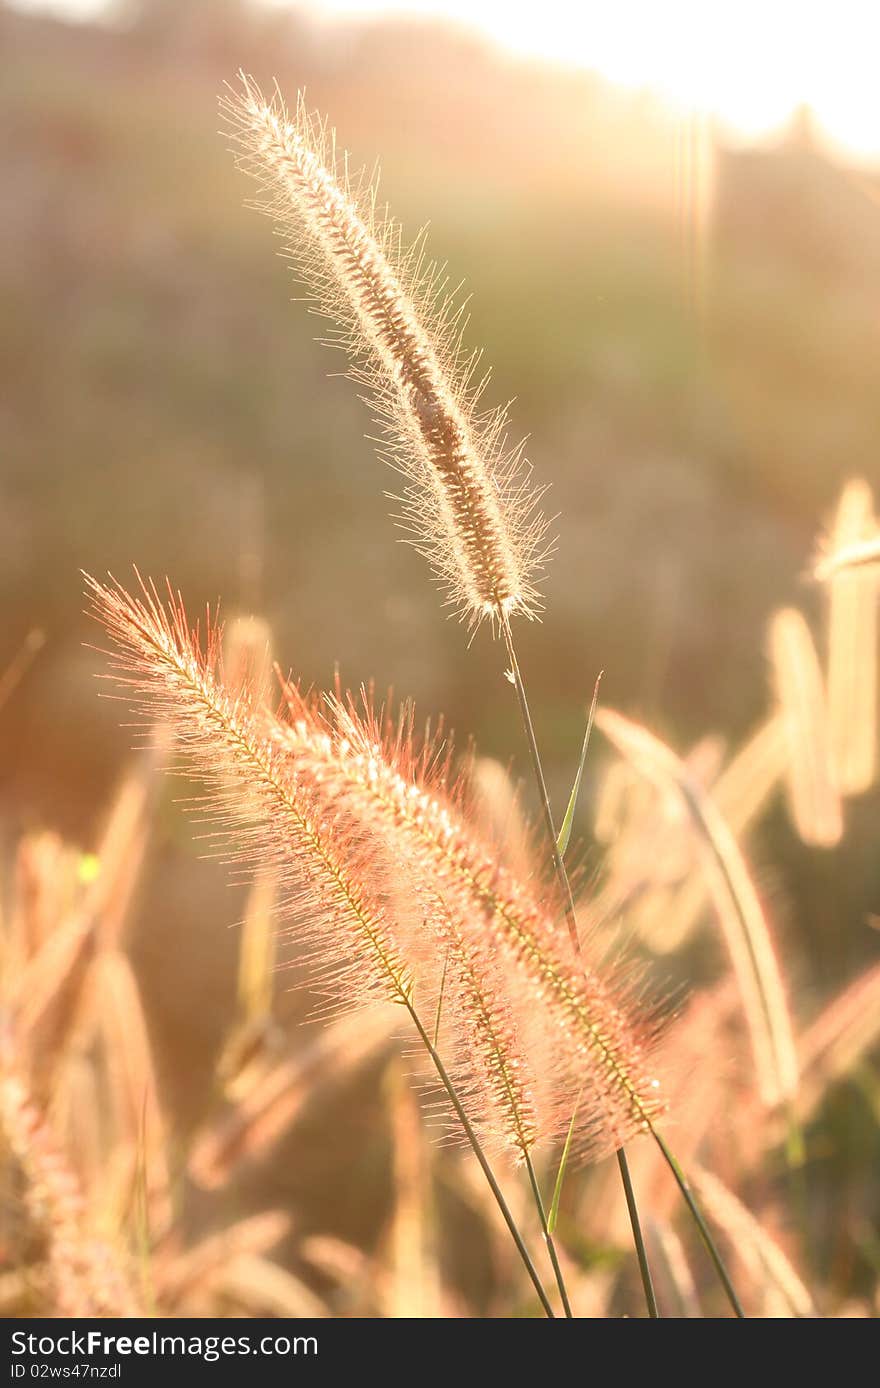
point(749, 61)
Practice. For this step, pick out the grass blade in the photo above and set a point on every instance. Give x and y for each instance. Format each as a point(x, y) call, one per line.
point(560, 1176)
point(568, 819)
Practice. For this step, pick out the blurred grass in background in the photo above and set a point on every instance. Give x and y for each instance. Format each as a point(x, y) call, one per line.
point(690, 333)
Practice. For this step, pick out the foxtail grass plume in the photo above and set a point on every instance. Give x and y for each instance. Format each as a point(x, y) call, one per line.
point(592, 1030)
point(393, 893)
point(367, 937)
point(468, 499)
point(813, 796)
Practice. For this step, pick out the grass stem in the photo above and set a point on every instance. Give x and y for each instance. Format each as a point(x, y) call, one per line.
point(548, 1238)
point(481, 1158)
point(538, 770)
point(635, 1222)
point(571, 917)
point(711, 1246)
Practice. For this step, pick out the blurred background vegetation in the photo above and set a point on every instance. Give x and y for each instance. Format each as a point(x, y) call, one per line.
point(690, 332)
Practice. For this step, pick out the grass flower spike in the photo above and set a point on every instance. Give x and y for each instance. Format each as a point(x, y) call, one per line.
point(267, 818)
point(369, 939)
point(393, 893)
point(600, 1037)
point(468, 501)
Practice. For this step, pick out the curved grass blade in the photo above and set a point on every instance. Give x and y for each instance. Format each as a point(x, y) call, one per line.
point(568, 818)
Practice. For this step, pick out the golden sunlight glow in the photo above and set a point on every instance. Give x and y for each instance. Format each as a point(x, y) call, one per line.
point(749, 62)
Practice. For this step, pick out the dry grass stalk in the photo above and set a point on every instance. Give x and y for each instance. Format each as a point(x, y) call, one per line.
point(652, 849)
point(18, 667)
point(769, 1270)
point(409, 1285)
point(199, 1268)
point(853, 604)
point(739, 909)
point(862, 554)
point(741, 792)
point(467, 495)
point(800, 694)
point(136, 1104)
point(335, 1259)
point(87, 1278)
point(676, 1289)
point(59, 931)
point(275, 1101)
point(614, 809)
point(49, 996)
point(257, 1287)
point(745, 785)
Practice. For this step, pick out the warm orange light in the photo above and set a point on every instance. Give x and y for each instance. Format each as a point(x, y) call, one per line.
point(748, 62)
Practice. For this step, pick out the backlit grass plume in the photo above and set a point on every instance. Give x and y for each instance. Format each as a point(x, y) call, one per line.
point(340, 890)
point(266, 817)
point(393, 892)
point(594, 1030)
point(468, 500)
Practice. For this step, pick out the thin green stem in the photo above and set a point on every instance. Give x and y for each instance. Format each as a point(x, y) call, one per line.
point(571, 917)
point(562, 875)
point(481, 1158)
point(538, 769)
point(711, 1246)
point(548, 1237)
point(641, 1252)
